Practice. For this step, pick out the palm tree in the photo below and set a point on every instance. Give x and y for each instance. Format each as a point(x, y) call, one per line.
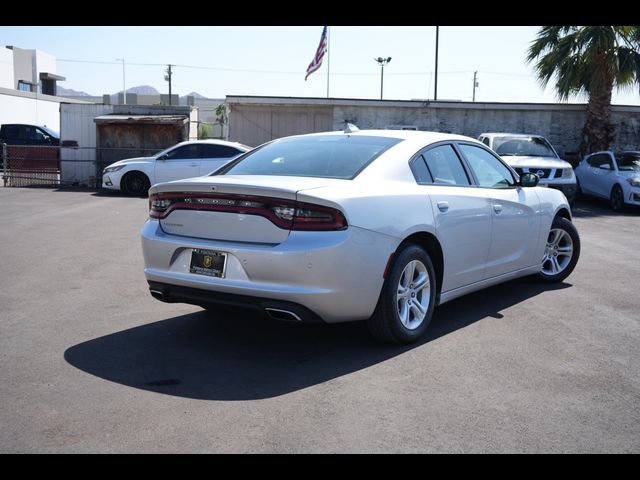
point(591, 60)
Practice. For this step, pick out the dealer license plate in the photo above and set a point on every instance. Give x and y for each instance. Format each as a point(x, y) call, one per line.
point(208, 262)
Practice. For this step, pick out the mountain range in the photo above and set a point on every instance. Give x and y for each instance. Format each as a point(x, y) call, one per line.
point(140, 90)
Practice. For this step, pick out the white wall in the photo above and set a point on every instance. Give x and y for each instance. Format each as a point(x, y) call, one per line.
point(19, 109)
point(6, 68)
point(78, 165)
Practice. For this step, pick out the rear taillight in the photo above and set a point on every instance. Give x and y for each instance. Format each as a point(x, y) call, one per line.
point(285, 214)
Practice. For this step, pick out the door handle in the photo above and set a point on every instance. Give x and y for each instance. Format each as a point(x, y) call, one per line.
point(443, 206)
point(497, 207)
point(193, 164)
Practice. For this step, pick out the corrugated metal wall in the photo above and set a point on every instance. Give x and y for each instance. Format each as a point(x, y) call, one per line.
point(78, 164)
point(256, 124)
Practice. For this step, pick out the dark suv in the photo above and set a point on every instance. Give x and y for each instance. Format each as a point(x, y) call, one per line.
point(20, 134)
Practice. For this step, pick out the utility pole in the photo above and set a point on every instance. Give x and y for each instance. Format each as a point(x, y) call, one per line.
point(435, 89)
point(475, 84)
point(124, 89)
point(167, 77)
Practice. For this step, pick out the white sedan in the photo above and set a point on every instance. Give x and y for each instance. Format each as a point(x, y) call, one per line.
point(184, 160)
point(380, 225)
point(611, 175)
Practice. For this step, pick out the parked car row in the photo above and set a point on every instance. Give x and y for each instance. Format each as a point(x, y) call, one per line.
point(376, 225)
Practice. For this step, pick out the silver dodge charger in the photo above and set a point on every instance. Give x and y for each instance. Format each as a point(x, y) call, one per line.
point(375, 225)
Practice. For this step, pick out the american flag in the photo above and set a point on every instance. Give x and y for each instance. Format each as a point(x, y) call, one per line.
point(317, 59)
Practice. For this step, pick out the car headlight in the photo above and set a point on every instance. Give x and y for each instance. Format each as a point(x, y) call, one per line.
point(567, 173)
point(634, 182)
point(113, 169)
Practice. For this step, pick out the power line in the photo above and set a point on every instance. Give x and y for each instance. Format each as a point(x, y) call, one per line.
point(243, 70)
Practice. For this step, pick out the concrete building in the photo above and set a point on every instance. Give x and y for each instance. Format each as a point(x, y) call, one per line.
point(254, 120)
point(28, 85)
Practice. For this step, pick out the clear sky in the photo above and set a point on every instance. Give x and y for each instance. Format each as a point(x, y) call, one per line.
point(273, 60)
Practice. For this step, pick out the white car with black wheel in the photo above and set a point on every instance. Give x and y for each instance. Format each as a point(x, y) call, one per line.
point(376, 225)
point(188, 159)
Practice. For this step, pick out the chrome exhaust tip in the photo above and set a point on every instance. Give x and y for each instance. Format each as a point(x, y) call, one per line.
point(283, 315)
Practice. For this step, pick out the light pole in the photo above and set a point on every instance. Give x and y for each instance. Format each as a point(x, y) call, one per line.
point(435, 88)
point(124, 89)
point(475, 84)
point(382, 62)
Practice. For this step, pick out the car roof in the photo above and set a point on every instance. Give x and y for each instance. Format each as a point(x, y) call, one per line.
point(502, 134)
point(427, 137)
point(211, 141)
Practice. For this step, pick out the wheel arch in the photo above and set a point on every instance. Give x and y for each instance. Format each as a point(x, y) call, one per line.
point(432, 246)
point(564, 213)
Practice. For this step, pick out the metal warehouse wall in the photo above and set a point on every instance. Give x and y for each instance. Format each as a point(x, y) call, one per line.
point(256, 124)
point(254, 120)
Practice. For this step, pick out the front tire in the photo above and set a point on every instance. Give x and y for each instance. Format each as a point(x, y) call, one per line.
point(561, 252)
point(136, 184)
point(407, 300)
point(616, 199)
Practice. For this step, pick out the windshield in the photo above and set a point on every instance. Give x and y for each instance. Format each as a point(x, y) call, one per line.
point(628, 161)
point(325, 156)
point(51, 133)
point(523, 146)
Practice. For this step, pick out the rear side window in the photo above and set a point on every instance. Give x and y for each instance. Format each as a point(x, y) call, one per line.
point(445, 166)
point(218, 151)
point(325, 156)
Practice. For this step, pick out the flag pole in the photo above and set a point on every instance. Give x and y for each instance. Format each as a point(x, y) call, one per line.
point(328, 56)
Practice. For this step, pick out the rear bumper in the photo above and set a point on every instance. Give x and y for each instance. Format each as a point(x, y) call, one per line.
point(281, 310)
point(337, 276)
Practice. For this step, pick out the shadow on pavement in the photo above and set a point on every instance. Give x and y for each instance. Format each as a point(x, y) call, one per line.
point(587, 207)
point(236, 357)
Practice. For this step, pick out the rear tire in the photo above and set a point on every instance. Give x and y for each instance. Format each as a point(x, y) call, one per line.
point(616, 199)
point(561, 253)
point(136, 184)
point(407, 299)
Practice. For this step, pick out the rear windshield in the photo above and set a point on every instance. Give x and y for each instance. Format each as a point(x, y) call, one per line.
point(523, 146)
point(326, 156)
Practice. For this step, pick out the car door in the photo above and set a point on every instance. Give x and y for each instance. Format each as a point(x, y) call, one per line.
point(181, 162)
point(604, 175)
point(215, 156)
point(514, 213)
point(462, 214)
point(591, 176)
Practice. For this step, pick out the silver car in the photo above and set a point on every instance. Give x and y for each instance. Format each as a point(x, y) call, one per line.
point(340, 226)
point(611, 175)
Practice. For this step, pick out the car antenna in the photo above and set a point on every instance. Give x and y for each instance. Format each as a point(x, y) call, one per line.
point(350, 128)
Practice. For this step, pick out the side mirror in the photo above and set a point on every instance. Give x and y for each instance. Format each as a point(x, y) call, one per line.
point(529, 180)
point(605, 166)
point(163, 157)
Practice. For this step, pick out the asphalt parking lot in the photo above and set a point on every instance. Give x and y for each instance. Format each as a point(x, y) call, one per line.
point(92, 363)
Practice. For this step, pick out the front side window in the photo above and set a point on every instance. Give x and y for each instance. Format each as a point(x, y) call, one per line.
point(600, 159)
point(325, 156)
point(490, 171)
point(445, 166)
point(184, 153)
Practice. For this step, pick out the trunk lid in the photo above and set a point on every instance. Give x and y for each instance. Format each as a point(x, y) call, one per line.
point(242, 208)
